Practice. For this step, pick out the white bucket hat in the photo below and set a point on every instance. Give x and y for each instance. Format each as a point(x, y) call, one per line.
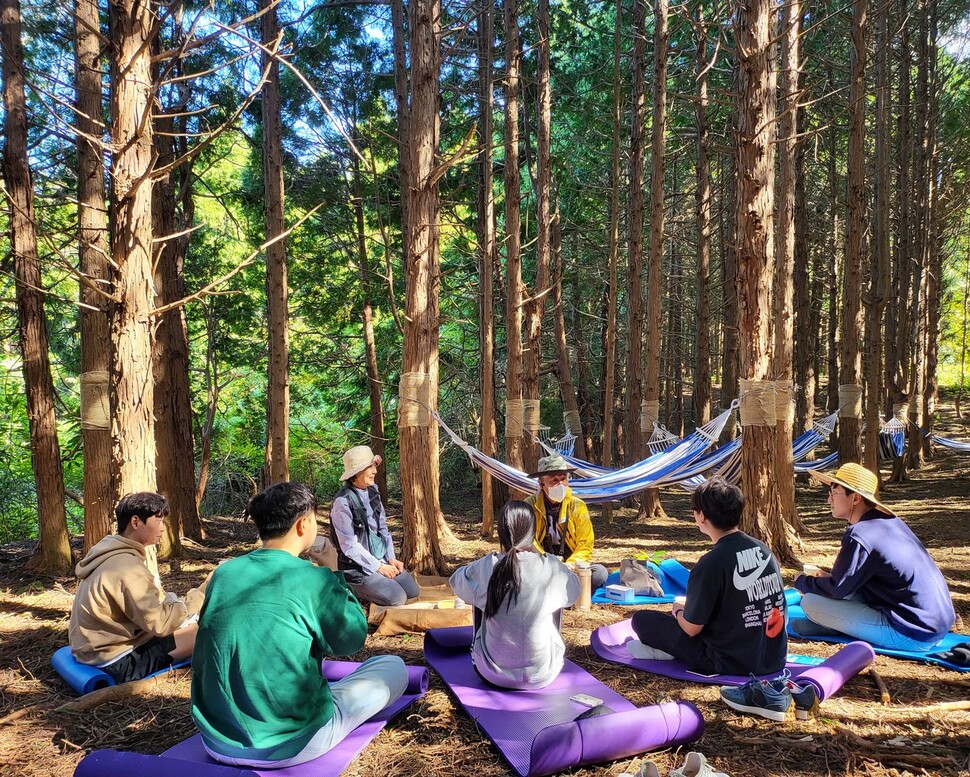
point(357, 459)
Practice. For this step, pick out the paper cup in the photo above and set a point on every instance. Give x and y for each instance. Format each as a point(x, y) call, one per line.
point(809, 570)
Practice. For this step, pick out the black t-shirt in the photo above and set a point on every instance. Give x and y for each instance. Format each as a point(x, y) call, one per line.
point(735, 591)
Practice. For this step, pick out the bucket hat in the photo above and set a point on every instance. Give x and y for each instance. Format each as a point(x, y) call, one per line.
point(358, 459)
point(549, 465)
point(854, 477)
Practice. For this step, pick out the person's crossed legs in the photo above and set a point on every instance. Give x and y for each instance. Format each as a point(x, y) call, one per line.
point(855, 618)
point(387, 591)
point(377, 683)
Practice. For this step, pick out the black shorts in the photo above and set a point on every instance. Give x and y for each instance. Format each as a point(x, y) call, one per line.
point(143, 661)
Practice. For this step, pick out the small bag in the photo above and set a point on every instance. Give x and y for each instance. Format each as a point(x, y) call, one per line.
point(640, 577)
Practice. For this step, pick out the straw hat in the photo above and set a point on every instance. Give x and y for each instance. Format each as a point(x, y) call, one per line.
point(358, 459)
point(549, 465)
point(854, 477)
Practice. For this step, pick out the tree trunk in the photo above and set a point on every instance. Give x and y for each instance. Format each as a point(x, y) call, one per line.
point(130, 217)
point(850, 375)
point(93, 258)
point(633, 437)
point(488, 254)
point(730, 353)
point(879, 274)
point(53, 552)
point(418, 432)
point(563, 363)
point(536, 305)
point(513, 242)
point(755, 154)
point(834, 306)
point(807, 301)
point(277, 468)
point(612, 288)
point(650, 506)
point(173, 409)
point(789, 24)
point(703, 209)
point(370, 345)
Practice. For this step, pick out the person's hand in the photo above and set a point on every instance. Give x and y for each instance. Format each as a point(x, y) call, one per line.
point(676, 609)
point(398, 565)
point(387, 570)
point(571, 565)
point(823, 573)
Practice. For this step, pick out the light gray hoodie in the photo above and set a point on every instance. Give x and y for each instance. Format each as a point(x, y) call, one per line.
point(520, 647)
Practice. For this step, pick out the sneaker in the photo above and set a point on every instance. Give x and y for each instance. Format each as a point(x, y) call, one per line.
point(696, 765)
point(638, 650)
point(804, 697)
point(759, 697)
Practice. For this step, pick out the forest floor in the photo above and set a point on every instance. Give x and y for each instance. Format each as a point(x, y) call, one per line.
point(925, 730)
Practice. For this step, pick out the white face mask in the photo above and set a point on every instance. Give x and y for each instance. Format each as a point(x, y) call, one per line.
point(557, 492)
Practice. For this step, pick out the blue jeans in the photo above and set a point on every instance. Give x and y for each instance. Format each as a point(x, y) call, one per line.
point(378, 682)
point(854, 617)
point(387, 591)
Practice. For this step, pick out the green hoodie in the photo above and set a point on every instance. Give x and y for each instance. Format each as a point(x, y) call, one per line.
point(269, 620)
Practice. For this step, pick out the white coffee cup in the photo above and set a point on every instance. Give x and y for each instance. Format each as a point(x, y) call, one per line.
point(810, 570)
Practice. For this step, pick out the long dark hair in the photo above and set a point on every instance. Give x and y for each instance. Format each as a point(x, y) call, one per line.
point(516, 532)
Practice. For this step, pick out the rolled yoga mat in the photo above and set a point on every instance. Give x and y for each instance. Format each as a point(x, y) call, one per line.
point(828, 675)
point(83, 678)
point(930, 656)
point(536, 730)
point(673, 579)
point(189, 758)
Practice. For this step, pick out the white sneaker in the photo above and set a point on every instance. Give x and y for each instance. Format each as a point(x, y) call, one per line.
point(696, 765)
point(639, 650)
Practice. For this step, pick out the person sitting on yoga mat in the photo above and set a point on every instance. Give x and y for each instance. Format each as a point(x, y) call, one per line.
point(258, 696)
point(570, 535)
point(122, 620)
point(734, 619)
point(358, 530)
point(884, 587)
point(520, 593)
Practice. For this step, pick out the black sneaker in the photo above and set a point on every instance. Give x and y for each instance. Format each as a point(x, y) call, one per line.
point(759, 697)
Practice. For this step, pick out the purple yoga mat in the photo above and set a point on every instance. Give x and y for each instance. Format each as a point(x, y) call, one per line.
point(535, 730)
point(609, 643)
point(189, 759)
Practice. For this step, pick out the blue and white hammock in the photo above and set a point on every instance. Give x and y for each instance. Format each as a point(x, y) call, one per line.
point(658, 470)
point(954, 445)
point(802, 445)
point(892, 439)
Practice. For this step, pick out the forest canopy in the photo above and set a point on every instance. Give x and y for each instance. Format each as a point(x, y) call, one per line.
point(273, 214)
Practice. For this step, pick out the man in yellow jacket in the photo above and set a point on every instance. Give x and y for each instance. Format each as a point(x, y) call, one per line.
point(122, 620)
point(563, 526)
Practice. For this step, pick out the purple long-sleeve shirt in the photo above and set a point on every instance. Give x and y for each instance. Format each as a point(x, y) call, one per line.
point(886, 564)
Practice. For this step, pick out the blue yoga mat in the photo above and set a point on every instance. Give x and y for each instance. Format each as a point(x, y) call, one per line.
point(950, 641)
point(83, 678)
point(673, 579)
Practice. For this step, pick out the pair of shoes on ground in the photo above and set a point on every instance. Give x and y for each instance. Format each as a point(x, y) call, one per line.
point(772, 699)
point(696, 765)
point(959, 654)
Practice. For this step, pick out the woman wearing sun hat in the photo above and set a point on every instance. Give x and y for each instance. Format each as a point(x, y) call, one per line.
point(884, 587)
point(358, 530)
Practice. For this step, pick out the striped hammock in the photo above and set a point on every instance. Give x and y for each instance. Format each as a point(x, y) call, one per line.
point(658, 470)
point(892, 439)
point(954, 445)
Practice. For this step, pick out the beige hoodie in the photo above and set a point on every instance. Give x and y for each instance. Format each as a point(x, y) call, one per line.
point(120, 603)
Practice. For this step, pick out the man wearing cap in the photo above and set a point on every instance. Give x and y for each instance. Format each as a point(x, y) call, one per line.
point(570, 535)
point(358, 529)
point(884, 587)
